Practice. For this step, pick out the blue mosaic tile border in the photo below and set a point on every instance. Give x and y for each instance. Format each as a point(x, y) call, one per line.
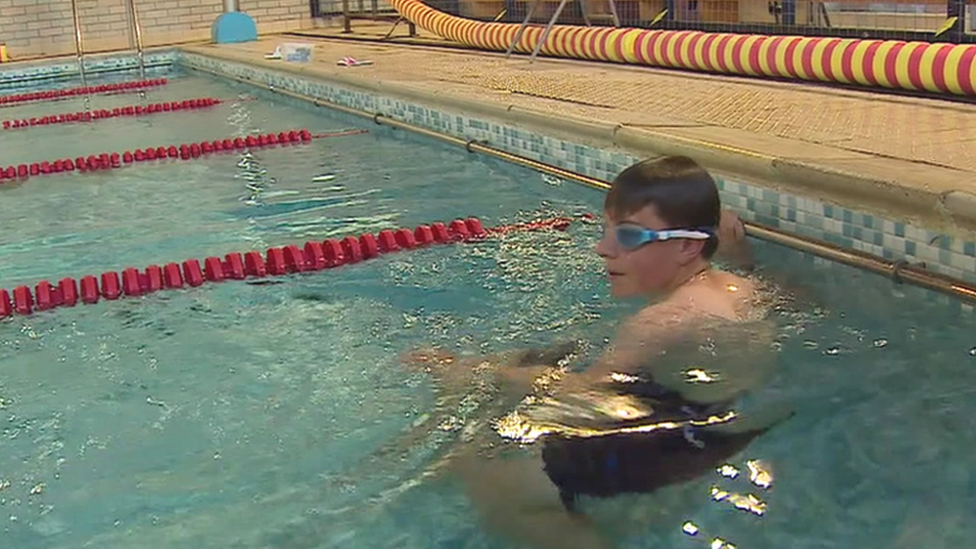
point(797, 214)
point(947, 254)
point(21, 75)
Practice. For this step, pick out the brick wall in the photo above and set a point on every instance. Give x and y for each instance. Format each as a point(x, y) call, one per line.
point(40, 28)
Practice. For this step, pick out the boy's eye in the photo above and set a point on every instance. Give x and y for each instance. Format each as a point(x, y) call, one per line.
point(630, 237)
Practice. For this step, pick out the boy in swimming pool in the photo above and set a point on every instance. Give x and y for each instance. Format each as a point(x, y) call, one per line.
point(656, 408)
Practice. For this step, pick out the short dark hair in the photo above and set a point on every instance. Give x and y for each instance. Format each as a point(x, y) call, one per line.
point(683, 193)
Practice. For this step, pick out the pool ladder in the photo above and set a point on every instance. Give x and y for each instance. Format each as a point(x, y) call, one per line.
point(136, 30)
point(136, 34)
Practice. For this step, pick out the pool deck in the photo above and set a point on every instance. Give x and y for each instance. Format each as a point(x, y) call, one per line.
point(906, 156)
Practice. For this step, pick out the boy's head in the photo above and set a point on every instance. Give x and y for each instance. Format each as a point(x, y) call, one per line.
point(645, 201)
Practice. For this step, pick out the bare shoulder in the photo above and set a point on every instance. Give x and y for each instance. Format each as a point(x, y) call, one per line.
point(720, 295)
point(719, 324)
point(716, 309)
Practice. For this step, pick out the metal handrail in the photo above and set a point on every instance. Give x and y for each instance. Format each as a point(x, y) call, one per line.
point(137, 34)
point(349, 14)
point(80, 44)
point(79, 47)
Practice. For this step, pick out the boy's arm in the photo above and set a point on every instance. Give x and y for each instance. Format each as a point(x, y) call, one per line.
point(641, 343)
point(736, 251)
point(552, 355)
point(638, 341)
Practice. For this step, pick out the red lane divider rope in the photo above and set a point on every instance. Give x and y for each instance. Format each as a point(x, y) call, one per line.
point(49, 95)
point(340, 133)
point(102, 114)
point(557, 223)
point(107, 161)
point(277, 261)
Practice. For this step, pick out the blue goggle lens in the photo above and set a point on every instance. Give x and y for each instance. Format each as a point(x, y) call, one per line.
point(632, 236)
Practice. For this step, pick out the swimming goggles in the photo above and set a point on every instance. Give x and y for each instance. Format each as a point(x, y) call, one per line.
point(631, 237)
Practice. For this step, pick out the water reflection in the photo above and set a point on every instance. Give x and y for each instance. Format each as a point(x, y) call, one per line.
point(717, 366)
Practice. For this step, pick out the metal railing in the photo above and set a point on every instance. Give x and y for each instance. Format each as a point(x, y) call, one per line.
point(362, 10)
point(135, 30)
point(79, 43)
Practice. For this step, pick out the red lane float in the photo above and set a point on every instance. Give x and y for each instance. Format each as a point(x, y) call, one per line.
point(277, 261)
point(106, 161)
point(52, 95)
point(557, 223)
point(104, 114)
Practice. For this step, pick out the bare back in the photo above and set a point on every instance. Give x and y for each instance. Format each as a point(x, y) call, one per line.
point(719, 342)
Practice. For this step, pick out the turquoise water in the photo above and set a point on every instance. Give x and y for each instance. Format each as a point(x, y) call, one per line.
point(239, 415)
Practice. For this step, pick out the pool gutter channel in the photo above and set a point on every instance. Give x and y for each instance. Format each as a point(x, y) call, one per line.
point(899, 271)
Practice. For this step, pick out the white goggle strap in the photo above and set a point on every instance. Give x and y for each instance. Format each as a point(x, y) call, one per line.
point(683, 233)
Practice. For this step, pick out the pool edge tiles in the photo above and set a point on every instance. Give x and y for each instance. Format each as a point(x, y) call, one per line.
point(803, 215)
point(16, 74)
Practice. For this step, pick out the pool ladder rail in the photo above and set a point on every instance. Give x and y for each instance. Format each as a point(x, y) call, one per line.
point(135, 31)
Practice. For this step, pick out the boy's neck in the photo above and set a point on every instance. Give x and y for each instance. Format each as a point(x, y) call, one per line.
point(689, 274)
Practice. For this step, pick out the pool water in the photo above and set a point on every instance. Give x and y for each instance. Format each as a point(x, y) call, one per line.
point(247, 416)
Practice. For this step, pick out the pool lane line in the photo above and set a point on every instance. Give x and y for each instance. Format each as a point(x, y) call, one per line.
point(276, 261)
point(54, 95)
point(105, 114)
point(184, 151)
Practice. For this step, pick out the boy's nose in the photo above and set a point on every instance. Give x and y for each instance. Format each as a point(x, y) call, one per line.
point(604, 248)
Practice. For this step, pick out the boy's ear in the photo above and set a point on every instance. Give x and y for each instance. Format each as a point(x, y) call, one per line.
point(690, 249)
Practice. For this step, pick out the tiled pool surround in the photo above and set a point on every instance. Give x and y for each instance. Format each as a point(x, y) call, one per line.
point(33, 74)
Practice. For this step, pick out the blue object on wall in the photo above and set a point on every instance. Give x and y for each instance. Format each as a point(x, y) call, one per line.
point(233, 27)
